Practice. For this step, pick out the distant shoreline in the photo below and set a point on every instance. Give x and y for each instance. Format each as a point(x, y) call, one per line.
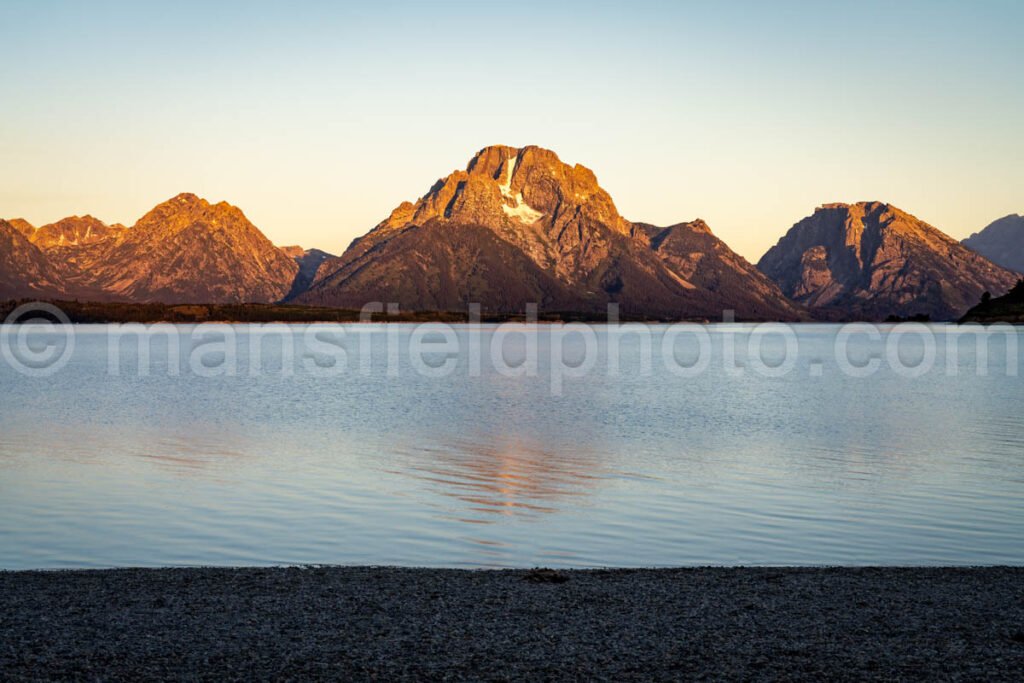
point(361, 623)
point(106, 313)
point(109, 313)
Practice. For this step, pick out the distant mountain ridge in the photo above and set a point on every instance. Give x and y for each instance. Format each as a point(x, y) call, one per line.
point(1002, 242)
point(519, 226)
point(309, 261)
point(871, 260)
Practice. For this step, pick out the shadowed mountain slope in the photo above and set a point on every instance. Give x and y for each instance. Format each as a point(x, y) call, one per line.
point(1001, 242)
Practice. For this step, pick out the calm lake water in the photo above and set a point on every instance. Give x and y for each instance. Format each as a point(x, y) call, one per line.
point(372, 461)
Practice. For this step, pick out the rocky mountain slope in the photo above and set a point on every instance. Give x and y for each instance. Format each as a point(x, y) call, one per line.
point(24, 270)
point(1001, 242)
point(871, 260)
point(22, 226)
point(519, 226)
point(67, 242)
point(691, 251)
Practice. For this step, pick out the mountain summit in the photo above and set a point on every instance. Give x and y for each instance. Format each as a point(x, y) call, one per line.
point(871, 260)
point(519, 226)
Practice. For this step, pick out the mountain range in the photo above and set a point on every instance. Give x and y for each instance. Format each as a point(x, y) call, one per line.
point(519, 226)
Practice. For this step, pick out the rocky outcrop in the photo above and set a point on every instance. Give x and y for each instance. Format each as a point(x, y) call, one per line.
point(871, 260)
point(519, 226)
point(1001, 242)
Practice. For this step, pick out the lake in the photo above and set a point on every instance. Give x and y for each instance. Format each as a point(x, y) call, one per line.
point(512, 447)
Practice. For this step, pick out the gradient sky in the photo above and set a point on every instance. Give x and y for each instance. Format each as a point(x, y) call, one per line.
point(318, 118)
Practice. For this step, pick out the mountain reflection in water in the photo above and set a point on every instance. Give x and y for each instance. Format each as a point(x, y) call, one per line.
point(503, 475)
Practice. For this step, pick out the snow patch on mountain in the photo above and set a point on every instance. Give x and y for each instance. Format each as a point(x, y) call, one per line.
point(518, 209)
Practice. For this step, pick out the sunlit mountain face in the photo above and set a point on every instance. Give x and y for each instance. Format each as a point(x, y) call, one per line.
point(871, 260)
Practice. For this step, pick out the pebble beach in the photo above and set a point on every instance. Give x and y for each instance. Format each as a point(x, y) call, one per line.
point(369, 623)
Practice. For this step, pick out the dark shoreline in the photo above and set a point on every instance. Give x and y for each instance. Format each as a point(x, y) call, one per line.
point(110, 313)
point(105, 313)
point(370, 623)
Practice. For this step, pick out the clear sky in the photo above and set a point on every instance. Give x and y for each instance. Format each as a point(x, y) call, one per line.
point(317, 118)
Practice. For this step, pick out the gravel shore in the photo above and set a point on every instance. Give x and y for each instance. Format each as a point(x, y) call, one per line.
point(363, 623)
